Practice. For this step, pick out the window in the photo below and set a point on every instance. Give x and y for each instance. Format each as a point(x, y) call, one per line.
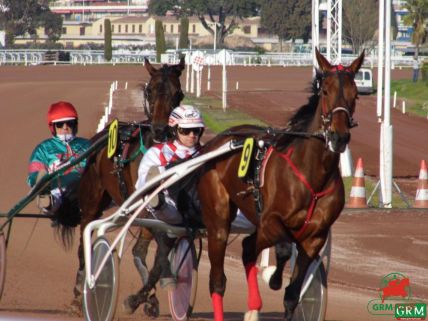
point(133, 28)
point(64, 30)
point(247, 29)
point(140, 28)
point(193, 28)
point(101, 28)
point(126, 28)
point(179, 28)
point(120, 29)
point(82, 31)
point(171, 28)
point(112, 28)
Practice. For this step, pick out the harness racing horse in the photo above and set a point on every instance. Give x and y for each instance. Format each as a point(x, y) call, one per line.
point(302, 194)
point(112, 179)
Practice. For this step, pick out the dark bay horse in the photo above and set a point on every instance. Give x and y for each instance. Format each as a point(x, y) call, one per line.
point(302, 194)
point(113, 179)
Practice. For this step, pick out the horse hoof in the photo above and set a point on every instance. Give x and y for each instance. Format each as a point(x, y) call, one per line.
point(275, 282)
point(75, 308)
point(130, 305)
point(151, 308)
point(252, 315)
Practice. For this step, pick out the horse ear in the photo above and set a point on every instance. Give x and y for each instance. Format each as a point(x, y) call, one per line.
point(149, 67)
point(356, 64)
point(181, 64)
point(322, 61)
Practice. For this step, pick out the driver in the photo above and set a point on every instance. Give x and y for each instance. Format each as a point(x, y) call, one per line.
point(50, 154)
point(187, 127)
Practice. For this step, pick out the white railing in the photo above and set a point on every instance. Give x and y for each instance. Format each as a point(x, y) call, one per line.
point(83, 57)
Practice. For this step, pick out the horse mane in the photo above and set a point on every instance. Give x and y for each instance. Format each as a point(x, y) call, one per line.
point(303, 117)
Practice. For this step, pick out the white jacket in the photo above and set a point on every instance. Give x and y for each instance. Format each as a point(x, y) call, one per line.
point(161, 155)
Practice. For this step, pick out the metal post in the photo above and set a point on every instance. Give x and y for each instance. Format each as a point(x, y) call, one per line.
point(388, 136)
point(224, 96)
point(380, 60)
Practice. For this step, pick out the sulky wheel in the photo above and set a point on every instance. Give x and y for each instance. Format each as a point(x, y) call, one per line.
point(184, 266)
point(313, 304)
point(2, 262)
point(99, 303)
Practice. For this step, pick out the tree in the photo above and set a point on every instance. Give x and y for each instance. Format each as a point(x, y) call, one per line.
point(184, 33)
point(53, 25)
point(417, 14)
point(19, 17)
point(219, 14)
point(289, 19)
point(160, 40)
point(160, 7)
point(360, 22)
point(108, 51)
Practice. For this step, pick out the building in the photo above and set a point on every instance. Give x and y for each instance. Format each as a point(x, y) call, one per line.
point(140, 31)
point(92, 10)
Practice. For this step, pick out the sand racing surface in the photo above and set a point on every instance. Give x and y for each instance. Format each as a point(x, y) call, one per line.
point(367, 244)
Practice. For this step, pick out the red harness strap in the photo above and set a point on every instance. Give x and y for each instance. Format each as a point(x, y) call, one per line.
point(315, 196)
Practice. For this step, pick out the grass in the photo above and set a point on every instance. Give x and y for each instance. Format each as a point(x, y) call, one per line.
point(370, 185)
point(415, 95)
point(218, 120)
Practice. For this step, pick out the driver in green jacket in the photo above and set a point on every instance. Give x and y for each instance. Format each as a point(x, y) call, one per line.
point(50, 154)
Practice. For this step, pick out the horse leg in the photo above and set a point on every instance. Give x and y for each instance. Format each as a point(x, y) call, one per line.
point(250, 252)
point(216, 251)
point(92, 200)
point(161, 268)
point(292, 292)
point(140, 251)
point(283, 253)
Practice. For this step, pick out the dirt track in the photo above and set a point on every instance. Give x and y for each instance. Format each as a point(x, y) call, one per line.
point(367, 245)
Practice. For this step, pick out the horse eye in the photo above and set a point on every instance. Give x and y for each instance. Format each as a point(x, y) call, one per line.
point(324, 92)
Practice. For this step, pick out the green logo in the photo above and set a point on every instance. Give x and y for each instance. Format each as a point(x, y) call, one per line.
point(395, 299)
point(414, 311)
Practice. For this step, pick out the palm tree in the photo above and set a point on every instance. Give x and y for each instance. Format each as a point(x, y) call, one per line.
point(418, 13)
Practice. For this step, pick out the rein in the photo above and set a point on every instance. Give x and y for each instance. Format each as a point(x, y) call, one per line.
point(273, 132)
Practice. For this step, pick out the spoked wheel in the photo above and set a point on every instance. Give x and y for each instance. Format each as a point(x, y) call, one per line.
point(99, 303)
point(184, 266)
point(313, 305)
point(2, 262)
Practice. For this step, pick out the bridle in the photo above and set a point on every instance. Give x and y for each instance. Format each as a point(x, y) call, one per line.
point(148, 103)
point(327, 114)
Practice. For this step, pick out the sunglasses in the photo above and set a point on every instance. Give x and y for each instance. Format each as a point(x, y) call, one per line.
point(186, 131)
point(70, 123)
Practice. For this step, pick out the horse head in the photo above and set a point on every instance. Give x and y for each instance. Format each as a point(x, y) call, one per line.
point(337, 96)
point(162, 94)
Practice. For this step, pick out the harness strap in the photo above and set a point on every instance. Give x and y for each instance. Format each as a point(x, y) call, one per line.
point(123, 159)
point(315, 196)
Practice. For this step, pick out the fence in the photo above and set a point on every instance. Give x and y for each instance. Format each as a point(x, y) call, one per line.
point(83, 57)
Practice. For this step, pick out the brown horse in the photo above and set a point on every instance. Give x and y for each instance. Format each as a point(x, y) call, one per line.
point(302, 194)
point(113, 179)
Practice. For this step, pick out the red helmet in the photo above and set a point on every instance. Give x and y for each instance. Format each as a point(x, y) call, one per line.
point(60, 111)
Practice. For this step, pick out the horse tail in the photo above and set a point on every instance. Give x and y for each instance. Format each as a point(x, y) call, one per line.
point(66, 218)
point(65, 234)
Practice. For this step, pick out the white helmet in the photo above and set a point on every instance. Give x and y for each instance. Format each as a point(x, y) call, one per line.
point(186, 116)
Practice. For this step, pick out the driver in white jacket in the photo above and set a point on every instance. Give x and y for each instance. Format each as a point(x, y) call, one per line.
point(187, 126)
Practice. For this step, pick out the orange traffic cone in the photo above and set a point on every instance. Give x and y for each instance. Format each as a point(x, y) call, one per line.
point(357, 198)
point(421, 200)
